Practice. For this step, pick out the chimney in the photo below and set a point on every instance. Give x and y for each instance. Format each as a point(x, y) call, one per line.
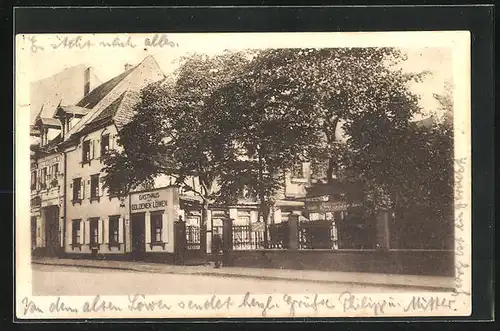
point(128, 66)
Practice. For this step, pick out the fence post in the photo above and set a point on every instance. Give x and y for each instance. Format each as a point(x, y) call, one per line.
point(227, 233)
point(293, 232)
point(383, 235)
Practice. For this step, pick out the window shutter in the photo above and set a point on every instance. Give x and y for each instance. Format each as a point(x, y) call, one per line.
point(111, 141)
point(87, 232)
point(97, 149)
point(82, 232)
point(121, 233)
point(82, 189)
point(70, 232)
point(100, 231)
point(92, 142)
point(105, 230)
point(100, 183)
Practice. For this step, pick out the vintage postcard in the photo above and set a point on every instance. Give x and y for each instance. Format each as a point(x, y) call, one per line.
point(219, 175)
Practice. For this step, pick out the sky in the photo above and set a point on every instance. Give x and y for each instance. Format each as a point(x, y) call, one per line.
point(424, 53)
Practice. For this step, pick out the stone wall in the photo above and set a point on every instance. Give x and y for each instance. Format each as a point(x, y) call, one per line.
point(432, 263)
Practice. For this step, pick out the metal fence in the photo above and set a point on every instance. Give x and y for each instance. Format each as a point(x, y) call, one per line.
point(244, 238)
point(311, 235)
point(193, 237)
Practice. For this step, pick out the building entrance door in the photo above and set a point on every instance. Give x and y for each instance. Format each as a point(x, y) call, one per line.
point(52, 235)
point(138, 234)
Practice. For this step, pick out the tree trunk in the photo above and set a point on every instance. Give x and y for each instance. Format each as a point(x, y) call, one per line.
point(330, 170)
point(330, 129)
point(264, 207)
point(203, 228)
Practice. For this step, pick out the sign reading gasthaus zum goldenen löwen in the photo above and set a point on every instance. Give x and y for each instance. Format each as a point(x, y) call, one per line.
point(148, 201)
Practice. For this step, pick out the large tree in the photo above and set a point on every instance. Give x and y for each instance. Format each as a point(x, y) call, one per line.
point(346, 87)
point(271, 125)
point(173, 133)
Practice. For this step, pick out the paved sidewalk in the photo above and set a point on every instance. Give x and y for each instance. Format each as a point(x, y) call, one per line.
point(412, 281)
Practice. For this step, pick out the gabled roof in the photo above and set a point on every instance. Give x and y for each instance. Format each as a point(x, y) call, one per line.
point(102, 97)
point(120, 111)
point(91, 99)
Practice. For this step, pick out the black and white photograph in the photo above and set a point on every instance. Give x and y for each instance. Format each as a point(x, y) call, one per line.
point(243, 175)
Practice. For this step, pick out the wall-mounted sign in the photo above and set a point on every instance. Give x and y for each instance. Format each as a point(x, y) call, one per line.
point(148, 201)
point(331, 206)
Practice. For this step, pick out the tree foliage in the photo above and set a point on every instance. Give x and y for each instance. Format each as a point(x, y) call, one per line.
point(172, 132)
point(241, 119)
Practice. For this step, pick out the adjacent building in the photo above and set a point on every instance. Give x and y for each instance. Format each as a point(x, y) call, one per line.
point(47, 186)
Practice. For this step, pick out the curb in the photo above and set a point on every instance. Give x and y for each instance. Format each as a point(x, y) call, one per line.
point(273, 278)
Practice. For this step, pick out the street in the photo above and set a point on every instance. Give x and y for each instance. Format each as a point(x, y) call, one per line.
point(54, 280)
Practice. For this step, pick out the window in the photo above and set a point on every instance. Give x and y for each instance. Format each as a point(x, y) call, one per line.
point(76, 233)
point(86, 151)
point(33, 180)
point(43, 179)
point(77, 189)
point(156, 227)
point(94, 187)
point(94, 231)
point(244, 193)
point(55, 169)
point(298, 170)
point(113, 229)
point(104, 144)
point(55, 174)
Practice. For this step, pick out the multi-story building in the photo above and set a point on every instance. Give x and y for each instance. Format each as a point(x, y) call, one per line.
point(47, 191)
point(81, 218)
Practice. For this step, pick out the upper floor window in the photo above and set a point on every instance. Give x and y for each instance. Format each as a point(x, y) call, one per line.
point(298, 170)
point(244, 193)
point(104, 144)
point(55, 170)
point(86, 151)
point(94, 186)
point(43, 179)
point(77, 189)
point(54, 174)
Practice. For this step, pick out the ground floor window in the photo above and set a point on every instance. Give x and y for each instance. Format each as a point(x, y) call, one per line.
point(76, 232)
point(113, 229)
point(156, 226)
point(94, 231)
